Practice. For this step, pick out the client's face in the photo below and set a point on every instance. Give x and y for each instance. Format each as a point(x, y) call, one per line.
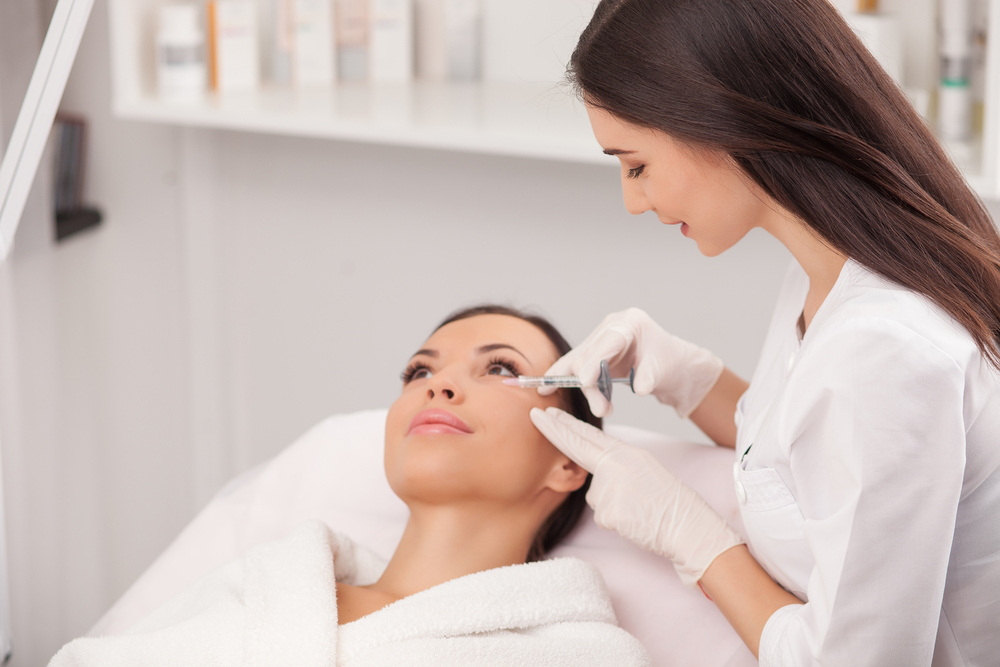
point(458, 433)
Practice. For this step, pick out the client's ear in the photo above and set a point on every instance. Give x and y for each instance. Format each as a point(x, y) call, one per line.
point(566, 476)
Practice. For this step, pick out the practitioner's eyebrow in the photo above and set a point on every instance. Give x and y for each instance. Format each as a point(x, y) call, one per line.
point(485, 349)
point(617, 151)
point(426, 353)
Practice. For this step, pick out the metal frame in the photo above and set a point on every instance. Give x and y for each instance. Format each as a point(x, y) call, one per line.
point(34, 122)
point(17, 172)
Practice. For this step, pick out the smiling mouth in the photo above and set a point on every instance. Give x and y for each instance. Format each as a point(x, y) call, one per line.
point(437, 422)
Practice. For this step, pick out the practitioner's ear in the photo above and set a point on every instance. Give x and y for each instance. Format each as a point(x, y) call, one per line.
point(566, 476)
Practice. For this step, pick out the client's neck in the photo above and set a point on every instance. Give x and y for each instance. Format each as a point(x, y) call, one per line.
point(444, 543)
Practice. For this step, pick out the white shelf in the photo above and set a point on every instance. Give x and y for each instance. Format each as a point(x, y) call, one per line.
point(522, 120)
point(499, 119)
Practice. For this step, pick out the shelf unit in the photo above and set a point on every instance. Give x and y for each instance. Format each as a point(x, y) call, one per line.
point(499, 118)
point(502, 116)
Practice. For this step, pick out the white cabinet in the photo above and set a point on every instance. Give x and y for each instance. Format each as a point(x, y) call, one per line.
point(518, 109)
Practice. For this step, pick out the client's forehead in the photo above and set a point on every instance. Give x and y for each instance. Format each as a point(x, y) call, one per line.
point(481, 331)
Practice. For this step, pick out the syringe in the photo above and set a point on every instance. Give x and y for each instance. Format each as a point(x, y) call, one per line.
point(604, 381)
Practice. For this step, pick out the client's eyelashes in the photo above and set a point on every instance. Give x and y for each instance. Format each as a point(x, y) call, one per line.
point(636, 172)
point(415, 371)
point(501, 364)
point(418, 370)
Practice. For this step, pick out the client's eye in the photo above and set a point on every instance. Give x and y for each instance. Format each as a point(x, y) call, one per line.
point(415, 371)
point(503, 367)
point(636, 172)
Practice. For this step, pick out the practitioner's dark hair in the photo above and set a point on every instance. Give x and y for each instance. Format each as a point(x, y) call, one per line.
point(788, 92)
point(562, 521)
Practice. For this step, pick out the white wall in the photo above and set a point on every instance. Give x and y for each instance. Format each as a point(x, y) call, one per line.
point(92, 374)
point(242, 287)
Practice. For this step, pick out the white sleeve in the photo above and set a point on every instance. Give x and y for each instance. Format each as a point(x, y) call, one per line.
point(876, 444)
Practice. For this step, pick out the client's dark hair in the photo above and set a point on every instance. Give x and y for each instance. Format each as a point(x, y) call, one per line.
point(562, 521)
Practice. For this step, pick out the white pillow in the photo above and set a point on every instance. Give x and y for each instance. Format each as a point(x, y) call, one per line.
point(334, 474)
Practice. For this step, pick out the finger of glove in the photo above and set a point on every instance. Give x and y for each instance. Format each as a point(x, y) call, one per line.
point(627, 322)
point(648, 374)
point(600, 406)
point(627, 498)
point(581, 442)
point(564, 365)
point(606, 342)
point(610, 347)
point(613, 319)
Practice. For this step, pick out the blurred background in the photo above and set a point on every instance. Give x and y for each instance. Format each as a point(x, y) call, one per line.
point(272, 255)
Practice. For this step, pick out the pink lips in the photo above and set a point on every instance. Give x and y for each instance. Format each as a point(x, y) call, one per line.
point(437, 422)
point(684, 228)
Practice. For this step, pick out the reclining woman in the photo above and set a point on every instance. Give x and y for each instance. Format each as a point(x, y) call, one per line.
point(488, 496)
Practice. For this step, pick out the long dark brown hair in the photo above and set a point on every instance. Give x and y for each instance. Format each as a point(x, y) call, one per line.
point(786, 89)
point(565, 517)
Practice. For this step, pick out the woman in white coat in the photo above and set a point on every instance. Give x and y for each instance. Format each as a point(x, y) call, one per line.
point(868, 442)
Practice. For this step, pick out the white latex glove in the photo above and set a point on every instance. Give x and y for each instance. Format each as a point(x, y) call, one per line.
point(676, 372)
point(634, 495)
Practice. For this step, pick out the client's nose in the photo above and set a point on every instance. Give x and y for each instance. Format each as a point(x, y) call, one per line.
point(443, 386)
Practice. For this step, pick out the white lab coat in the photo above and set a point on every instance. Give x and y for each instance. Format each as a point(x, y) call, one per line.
point(872, 487)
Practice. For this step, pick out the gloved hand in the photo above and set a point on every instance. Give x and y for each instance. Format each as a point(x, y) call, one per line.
point(634, 495)
point(676, 372)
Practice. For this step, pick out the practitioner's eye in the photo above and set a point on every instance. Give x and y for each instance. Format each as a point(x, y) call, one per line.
point(636, 172)
point(504, 367)
point(415, 371)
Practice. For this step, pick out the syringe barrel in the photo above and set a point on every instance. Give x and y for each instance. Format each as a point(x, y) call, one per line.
point(558, 381)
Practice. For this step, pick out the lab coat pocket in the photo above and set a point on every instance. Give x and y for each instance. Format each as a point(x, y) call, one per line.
point(773, 524)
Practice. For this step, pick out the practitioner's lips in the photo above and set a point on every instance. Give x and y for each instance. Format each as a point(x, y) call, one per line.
point(437, 422)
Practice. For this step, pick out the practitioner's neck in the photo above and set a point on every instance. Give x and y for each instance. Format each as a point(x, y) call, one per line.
point(444, 543)
point(821, 262)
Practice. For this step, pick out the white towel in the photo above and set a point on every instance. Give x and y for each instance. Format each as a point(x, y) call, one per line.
point(277, 606)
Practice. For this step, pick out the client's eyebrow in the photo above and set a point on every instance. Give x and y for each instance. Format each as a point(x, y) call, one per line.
point(499, 346)
point(617, 151)
point(427, 353)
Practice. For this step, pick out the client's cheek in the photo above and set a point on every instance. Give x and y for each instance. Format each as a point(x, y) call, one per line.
point(396, 420)
point(526, 399)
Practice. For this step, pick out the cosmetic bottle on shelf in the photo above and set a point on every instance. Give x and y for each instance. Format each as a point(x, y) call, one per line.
point(232, 32)
point(181, 74)
point(856, 6)
point(883, 37)
point(352, 29)
point(448, 39)
point(280, 40)
point(464, 38)
point(955, 90)
point(313, 53)
point(391, 41)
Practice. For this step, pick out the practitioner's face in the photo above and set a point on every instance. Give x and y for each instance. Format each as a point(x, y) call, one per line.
point(704, 192)
point(457, 433)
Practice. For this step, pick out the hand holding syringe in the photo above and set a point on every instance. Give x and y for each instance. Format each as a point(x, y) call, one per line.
point(604, 381)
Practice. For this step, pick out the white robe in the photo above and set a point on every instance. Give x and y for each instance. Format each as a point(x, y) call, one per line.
point(277, 606)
